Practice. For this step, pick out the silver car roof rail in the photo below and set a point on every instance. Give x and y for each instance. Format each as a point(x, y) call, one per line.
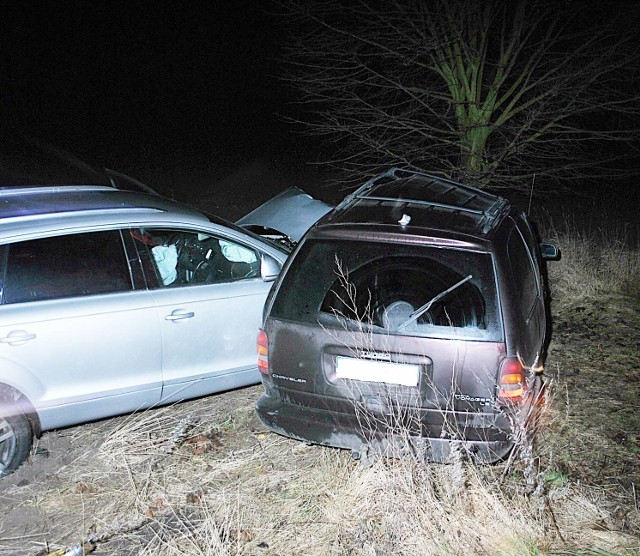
point(40, 189)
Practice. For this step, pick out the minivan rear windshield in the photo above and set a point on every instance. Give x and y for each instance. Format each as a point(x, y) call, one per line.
point(392, 288)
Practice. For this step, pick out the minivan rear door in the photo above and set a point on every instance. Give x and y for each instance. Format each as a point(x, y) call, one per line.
point(347, 306)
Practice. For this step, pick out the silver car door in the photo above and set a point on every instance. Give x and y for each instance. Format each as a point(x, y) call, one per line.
point(210, 296)
point(81, 342)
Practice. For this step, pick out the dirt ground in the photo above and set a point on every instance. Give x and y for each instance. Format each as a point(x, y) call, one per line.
point(594, 359)
point(33, 521)
point(54, 499)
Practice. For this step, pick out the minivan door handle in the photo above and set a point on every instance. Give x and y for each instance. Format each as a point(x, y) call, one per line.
point(180, 314)
point(17, 337)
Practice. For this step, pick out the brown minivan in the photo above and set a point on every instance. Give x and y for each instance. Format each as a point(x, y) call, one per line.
point(411, 317)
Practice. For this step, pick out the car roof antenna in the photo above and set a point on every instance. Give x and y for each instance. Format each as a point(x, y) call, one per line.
point(533, 183)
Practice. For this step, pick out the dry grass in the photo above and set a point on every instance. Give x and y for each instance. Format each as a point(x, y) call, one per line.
point(150, 489)
point(156, 487)
point(594, 264)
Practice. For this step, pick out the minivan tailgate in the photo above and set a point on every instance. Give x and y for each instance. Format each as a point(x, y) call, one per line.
point(431, 373)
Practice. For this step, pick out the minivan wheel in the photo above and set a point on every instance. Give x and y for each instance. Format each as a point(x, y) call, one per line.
point(16, 438)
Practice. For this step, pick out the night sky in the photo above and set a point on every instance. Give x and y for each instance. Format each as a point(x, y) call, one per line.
point(176, 94)
point(176, 87)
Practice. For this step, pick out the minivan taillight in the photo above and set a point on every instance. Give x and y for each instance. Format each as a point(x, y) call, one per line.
point(512, 386)
point(263, 352)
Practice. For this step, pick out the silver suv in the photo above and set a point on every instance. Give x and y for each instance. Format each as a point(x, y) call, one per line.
point(112, 301)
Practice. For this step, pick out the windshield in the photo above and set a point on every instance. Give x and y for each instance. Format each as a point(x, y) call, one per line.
point(391, 288)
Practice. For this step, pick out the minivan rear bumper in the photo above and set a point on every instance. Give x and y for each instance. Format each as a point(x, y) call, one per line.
point(369, 435)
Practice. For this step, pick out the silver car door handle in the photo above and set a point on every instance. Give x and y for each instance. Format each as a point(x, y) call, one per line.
point(17, 337)
point(180, 315)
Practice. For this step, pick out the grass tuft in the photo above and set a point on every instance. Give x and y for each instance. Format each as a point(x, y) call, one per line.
point(593, 264)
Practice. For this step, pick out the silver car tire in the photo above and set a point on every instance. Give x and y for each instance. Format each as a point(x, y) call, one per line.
point(16, 438)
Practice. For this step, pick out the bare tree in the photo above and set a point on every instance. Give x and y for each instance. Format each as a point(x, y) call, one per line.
point(498, 92)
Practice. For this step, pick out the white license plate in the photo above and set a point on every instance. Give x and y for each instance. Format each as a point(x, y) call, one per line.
point(377, 371)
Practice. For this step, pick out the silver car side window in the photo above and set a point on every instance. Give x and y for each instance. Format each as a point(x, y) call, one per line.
point(66, 266)
point(187, 258)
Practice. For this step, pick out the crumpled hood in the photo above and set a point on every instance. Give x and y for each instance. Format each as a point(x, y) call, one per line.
point(291, 212)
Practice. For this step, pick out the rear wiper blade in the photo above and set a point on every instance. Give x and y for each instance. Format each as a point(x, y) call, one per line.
point(422, 310)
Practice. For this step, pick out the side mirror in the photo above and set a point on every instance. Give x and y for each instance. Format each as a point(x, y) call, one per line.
point(269, 268)
point(549, 252)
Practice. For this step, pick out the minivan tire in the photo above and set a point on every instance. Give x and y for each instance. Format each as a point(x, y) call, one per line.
point(16, 438)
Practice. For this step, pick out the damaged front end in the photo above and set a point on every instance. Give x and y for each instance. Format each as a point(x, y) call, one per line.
point(286, 217)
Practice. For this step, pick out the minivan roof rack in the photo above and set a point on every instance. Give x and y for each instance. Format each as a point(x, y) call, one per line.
point(431, 190)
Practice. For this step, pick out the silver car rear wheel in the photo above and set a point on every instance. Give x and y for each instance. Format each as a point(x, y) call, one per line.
point(15, 440)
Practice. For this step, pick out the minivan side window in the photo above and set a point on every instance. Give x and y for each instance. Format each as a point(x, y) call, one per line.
point(65, 266)
point(523, 272)
point(173, 258)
